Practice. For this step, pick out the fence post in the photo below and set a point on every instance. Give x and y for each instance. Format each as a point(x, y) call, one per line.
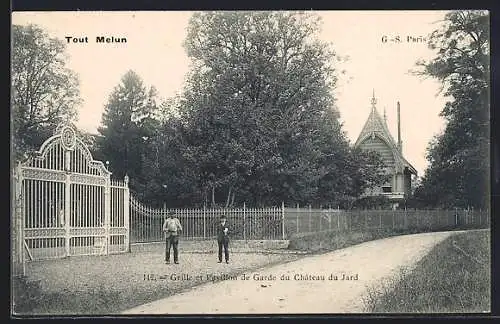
point(253, 214)
point(405, 226)
point(330, 218)
point(126, 210)
point(320, 217)
point(147, 222)
point(297, 217)
point(392, 213)
point(187, 216)
point(244, 222)
point(204, 222)
point(310, 219)
point(380, 220)
point(349, 220)
point(163, 213)
point(456, 216)
point(283, 220)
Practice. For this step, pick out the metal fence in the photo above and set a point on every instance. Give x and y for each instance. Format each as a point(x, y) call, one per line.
point(246, 223)
point(308, 220)
point(282, 222)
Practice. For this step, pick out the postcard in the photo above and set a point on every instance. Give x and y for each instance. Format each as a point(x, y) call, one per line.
point(250, 162)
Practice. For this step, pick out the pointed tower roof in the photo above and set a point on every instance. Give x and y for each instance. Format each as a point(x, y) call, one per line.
point(375, 125)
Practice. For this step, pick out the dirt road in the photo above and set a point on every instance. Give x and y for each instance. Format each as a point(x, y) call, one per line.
point(334, 282)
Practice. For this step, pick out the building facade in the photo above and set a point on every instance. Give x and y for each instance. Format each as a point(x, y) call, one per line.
point(375, 136)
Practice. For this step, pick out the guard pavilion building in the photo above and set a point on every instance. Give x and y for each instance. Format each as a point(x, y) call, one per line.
point(375, 136)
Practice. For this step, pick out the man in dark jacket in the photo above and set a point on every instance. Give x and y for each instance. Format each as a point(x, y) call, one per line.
point(223, 238)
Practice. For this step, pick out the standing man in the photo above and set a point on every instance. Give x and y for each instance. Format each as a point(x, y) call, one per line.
point(223, 238)
point(172, 226)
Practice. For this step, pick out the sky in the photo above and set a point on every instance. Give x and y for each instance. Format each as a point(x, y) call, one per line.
point(154, 50)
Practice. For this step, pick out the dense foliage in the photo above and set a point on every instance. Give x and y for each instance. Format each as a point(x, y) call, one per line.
point(256, 122)
point(458, 173)
point(44, 92)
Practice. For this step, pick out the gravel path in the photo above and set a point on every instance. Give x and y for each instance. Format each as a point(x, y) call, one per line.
point(111, 284)
point(334, 282)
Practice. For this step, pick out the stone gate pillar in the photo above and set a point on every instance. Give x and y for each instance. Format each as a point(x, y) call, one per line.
point(17, 240)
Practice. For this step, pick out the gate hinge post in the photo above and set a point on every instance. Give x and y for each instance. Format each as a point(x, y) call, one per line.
point(107, 212)
point(67, 213)
point(126, 210)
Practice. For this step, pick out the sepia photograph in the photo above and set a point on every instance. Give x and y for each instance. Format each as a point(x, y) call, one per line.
point(250, 162)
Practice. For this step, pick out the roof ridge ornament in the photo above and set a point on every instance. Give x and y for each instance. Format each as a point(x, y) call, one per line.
point(373, 101)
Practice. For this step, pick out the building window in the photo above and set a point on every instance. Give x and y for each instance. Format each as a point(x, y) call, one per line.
point(387, 189)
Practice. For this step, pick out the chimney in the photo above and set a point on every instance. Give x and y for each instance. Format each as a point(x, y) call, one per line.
point(400, 143)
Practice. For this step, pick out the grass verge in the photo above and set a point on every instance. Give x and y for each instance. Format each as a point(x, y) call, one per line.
point(453, 277)
point(325, 241)
point(330, 240)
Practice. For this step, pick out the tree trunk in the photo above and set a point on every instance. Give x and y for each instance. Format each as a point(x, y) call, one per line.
point(205, 198)
point(213, 196)
point(228, 199)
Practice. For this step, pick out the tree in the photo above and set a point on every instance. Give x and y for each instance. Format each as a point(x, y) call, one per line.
point(458, 173)
point(259, 110)
point(44, 92)
point(167, 176)
point(233, 103)
point(128, 122)
point(363, 170)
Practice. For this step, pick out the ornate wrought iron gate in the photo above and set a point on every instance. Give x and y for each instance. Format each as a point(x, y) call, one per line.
point(67, 204)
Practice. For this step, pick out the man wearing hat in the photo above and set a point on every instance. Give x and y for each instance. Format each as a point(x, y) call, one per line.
point(223, 238)
point(172, 226)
